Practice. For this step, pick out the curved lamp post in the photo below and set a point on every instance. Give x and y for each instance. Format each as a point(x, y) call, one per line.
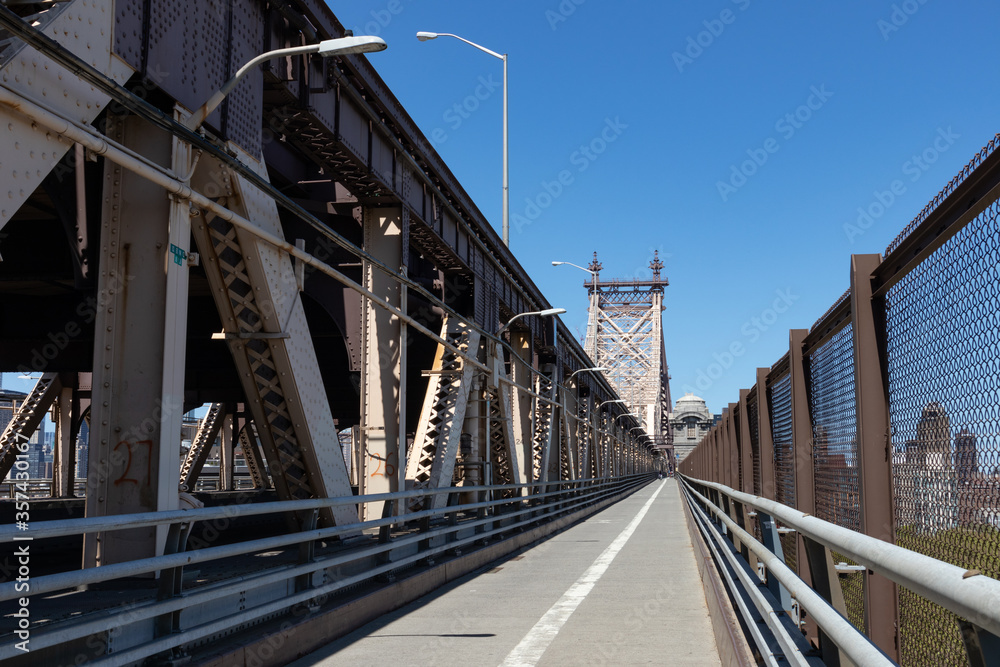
point(593, 274)
point(329, 47)
point(423, 37)
point(626, 414)
point(541, 313)
point(584, 370)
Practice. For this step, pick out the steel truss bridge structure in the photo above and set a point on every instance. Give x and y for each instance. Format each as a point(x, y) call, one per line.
point(384, 408)
point(625, 336)
point(304, 264)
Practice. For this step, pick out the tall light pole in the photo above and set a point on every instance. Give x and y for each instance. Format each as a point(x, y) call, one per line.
point(423, 37)
point(326, 48)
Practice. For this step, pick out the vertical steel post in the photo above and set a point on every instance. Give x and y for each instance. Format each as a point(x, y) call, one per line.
point(802, 457)
point(403, 343)
point(139, 349)
point(746, 457)
point(521, 402)
point(734, 449)
point(874, 446)
point(63, 453)
point(227, 447)
point(380, 378)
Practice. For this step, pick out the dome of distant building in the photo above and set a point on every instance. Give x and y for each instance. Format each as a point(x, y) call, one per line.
point(689, 422)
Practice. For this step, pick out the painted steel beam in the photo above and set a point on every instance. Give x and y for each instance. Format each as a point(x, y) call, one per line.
point(255, 289)
point(31, 151)
point(431, 459)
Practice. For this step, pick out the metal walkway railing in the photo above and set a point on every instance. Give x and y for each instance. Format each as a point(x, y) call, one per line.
point(757, 573)
point(265, 577)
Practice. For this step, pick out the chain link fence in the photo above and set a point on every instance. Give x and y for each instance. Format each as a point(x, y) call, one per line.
point(931, 324)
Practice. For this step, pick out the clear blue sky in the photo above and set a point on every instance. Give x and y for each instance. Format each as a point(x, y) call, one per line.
point(886, 81)
point(688, 91)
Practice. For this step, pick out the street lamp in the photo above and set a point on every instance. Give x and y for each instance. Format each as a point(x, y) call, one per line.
point(584, 370)
point(617, 400)
point(593, 274)
point(541, 313)
point(423, 37)
point(626, 414)
point(328, 47)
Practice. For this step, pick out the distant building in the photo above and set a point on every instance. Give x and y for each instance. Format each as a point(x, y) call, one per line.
point(978, 491)
point(38, 454)
point(10, 401)
point(926, 483)
point(82, 449)
point(689, 422)
point(966, 457)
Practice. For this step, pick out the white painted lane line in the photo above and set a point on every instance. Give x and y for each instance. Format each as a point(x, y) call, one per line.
point(529, 651)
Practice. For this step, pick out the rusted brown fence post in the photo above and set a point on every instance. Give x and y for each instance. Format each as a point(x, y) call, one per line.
point(764, 435)
point(874, 447)
point(802, 449)
point(734, 448)
point(802, 457)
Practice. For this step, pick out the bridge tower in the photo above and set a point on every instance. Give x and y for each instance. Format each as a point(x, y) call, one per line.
point(625, 335)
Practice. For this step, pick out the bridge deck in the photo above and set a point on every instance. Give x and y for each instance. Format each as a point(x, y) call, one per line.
point(594, 594)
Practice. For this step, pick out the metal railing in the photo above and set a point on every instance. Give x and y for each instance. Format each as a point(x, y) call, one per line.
point(723, 514)
point(882, 418)
point(288, 570)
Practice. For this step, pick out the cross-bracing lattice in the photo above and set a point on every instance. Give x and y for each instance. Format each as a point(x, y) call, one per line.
point(625, 335)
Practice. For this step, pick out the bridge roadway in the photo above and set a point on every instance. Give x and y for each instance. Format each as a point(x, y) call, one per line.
point(620, 588)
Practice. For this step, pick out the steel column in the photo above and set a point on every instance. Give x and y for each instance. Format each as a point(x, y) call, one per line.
point(63, 453)
point(521, 401)
point(139, 350)
point(380, 377)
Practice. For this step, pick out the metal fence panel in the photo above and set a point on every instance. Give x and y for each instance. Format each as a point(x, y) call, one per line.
point(752, 415)
point(780, 395)
point(835, 451)
point(944, 388)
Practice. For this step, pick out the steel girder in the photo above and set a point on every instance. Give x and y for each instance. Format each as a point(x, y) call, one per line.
point(430, 462)
point(546, 426)
point(194, 461)
point(26, 419)
point(256, 292)
point(503, 446)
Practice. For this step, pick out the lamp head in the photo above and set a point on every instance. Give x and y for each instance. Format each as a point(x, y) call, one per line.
point(424, 36)
point(551, 311)
point(344, 45)
point(558, 263)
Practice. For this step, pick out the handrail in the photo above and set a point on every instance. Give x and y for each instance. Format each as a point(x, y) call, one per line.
point(54, 582)
point(848, 638)
point(966, 593)
point(554, 499)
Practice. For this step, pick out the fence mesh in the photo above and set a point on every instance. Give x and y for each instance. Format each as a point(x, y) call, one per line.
point(835, 445)
point(976, 160)
point(835, 451)
point(944, 389)
point(780, 395)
